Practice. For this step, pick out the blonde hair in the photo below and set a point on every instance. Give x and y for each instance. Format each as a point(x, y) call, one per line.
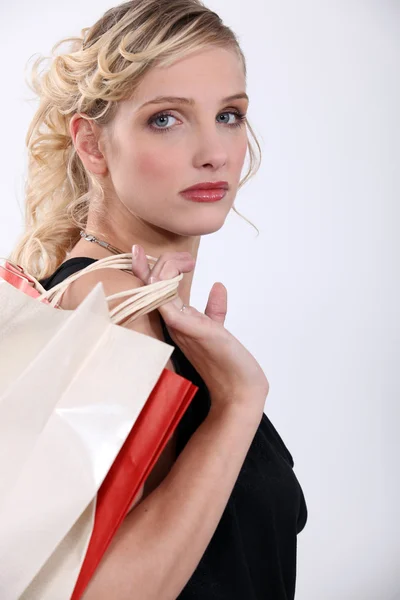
point(102, 67)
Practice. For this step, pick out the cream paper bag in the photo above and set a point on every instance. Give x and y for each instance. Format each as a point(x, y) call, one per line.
point(72, 385)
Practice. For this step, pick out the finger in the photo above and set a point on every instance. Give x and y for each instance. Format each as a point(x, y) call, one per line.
point(140, 265)
point(141, 268)
point(183, 261)
point(217, 305)
point(169, 270)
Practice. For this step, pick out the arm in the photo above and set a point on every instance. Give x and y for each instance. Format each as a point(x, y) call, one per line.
point(163, 538)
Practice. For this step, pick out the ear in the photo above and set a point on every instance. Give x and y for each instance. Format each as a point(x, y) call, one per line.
point(86, 139)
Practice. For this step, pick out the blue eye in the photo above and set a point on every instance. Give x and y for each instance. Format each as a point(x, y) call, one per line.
point(241, 117)
point(160, 116)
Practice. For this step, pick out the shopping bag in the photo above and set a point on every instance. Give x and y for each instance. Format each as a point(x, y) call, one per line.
point(73, 448)
point(59, 568)
point(160, 416)
point(163, 410)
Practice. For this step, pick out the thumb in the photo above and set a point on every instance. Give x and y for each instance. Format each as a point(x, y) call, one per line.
point(217, 304)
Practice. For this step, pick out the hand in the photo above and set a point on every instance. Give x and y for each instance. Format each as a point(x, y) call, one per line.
point(230, 372)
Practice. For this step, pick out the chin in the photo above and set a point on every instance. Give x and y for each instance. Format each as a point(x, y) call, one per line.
point(204, 227)
point(201, 219)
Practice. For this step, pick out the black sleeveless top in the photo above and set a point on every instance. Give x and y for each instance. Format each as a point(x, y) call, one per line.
point(253, 552)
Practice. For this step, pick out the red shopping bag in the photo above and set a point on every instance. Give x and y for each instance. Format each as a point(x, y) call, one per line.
point(156, 423)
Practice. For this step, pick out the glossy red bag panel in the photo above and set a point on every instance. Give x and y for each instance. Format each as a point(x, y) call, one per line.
point(156, 423)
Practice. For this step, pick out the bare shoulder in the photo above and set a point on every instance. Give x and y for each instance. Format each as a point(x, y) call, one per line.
point(113, 281)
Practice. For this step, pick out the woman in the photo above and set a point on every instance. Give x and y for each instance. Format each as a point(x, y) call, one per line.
point(109, 162)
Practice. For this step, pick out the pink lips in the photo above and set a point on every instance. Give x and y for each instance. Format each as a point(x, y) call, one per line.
point(206, 192)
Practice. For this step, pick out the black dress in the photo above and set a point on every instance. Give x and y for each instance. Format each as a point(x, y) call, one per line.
point(253, 552)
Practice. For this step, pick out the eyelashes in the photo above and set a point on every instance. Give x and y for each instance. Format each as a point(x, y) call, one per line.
point(241, 118)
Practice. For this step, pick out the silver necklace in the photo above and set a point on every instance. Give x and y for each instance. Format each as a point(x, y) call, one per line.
point(91, 238)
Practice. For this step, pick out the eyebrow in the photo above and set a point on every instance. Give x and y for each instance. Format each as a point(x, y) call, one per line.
point(190, 101)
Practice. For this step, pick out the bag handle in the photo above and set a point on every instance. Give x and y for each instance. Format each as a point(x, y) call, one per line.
point(139, 301)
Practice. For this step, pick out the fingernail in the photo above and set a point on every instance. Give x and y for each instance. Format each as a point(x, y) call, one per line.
point(152, 279)
point(135, 251)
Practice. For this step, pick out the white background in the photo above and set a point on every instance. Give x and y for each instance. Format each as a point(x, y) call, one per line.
point(314, 297)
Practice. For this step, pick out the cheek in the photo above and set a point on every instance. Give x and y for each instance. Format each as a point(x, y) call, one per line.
point(238, 159)
point(150, 165)
point(245, 145)
point(240, 153)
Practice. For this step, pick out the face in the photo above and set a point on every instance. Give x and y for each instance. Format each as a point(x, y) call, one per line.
point(153, 152)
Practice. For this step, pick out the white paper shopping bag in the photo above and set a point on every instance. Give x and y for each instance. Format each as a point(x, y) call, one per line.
point(82, 391)
point(52, 343)
point(57, 577)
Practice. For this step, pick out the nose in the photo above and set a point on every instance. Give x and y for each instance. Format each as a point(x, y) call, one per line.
point(211, 146)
